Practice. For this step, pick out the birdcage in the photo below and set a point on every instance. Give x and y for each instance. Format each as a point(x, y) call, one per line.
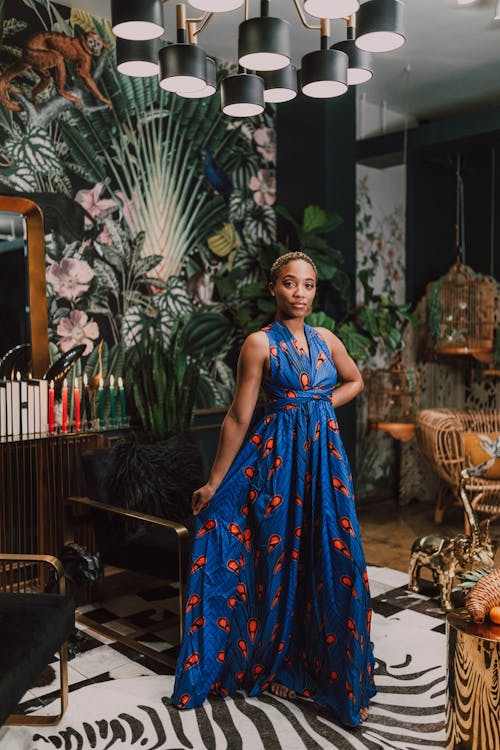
point(462, 314)
point(393, 400)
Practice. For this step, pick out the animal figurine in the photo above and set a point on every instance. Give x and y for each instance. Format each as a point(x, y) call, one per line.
point(445, 556)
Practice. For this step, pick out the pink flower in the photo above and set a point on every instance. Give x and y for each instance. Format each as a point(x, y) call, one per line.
point(92, 203)
point(264, 187)
point(77, 329)
point(265, 138)
point(70, 278)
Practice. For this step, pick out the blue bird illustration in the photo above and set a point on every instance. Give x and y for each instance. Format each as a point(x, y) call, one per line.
point(215, 175)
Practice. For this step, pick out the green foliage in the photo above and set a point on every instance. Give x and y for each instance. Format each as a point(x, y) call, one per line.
point(378, 320)
point(167, 381)
point(163, 381)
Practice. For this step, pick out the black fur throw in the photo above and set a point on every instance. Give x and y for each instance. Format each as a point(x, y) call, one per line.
point(157, 477)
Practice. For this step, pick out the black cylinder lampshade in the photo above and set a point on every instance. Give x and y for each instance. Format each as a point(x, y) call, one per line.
point(137, 58)
point(264, 43)
point(331, 8)
point(380, 26)
point(242, 95)
point(280, 85)
point(360, 66)
point(324, 73)
point(133, 20)
point(210, 86)
point(183, 68)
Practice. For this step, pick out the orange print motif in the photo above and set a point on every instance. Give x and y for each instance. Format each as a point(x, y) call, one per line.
point(207, 526)
point(253, 495)
point(223, 623)
point(249, 472)
point(332, 424)
point(273, 351)
point(340, 486)
point(276, 596)
point(273, 542)
point(290, 394)
point(304, 380)
point(184, 700)
point(279, 563)
point(235, 530)
point(333, 450)
point(242, 591)
point(199, 563)
point(256, 439)
point(193, 600)
point(321, 358)
point(339, 545)
point(242, 645)
point(191, 660)
point(273, 503)
point(233, 566)
point(247, 536)
point(268, 447)
point(252, 627)
point(330, 639)
point(317, 431)
point(347, 526)
point(197, 624)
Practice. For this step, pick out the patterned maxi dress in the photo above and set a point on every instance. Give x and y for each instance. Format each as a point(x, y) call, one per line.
point(278, 589)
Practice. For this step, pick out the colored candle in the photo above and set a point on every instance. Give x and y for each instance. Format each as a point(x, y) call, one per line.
point(100, 402)
point(123, 410)
point(51, 408)
point(112, 404)
point(86, 400)
point(64, 415)
point(76, 400)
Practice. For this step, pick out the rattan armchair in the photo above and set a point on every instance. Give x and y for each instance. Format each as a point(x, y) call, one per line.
point(440, 435)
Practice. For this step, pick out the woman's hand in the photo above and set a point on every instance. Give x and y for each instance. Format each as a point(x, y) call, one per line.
point(201, 497)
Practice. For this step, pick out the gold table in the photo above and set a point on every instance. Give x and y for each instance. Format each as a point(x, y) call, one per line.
point(473, 692)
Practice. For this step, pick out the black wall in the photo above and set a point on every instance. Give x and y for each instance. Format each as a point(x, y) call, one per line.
point(317, 166)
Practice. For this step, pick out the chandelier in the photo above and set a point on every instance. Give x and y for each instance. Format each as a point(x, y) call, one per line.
point(265, 69)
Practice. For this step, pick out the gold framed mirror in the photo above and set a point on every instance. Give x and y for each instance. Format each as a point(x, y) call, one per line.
point(35, 302)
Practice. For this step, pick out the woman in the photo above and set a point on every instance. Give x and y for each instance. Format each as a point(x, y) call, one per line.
point(278, 594)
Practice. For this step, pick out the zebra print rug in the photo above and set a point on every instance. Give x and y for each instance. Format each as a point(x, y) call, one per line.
point(407, 713)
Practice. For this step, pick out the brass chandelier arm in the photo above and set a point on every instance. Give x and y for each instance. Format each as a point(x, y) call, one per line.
point(193, 31)
point(304, 21)
point(184, 23)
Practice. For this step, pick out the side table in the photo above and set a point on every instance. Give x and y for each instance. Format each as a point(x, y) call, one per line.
point(473, 692)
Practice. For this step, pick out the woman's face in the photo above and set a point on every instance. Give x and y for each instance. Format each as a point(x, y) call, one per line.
point(294, 289)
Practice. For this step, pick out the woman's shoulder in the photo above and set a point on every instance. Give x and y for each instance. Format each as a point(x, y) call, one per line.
point(256, 342)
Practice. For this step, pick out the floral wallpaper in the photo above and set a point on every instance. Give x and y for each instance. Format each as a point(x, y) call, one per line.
point(380, 248)
point(158, 198)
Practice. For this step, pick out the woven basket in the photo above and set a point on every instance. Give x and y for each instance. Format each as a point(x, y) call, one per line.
point(484, 595)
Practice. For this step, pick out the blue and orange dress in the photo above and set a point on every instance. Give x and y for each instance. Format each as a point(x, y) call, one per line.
point(278, 589)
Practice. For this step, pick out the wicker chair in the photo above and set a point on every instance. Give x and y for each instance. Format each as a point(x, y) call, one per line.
point(440, 437)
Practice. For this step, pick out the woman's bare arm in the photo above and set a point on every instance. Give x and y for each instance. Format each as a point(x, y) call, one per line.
point(349, 376)
point(251, 364)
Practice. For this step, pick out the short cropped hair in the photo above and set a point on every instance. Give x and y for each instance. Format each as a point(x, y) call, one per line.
point(282, 260)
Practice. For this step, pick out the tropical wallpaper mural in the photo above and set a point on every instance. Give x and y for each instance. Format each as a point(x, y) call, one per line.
point(164, 204)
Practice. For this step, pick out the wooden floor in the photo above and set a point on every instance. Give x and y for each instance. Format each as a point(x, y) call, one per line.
point(388, 530)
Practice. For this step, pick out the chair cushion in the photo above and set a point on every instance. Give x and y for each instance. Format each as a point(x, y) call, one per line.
point(482, 451)
point(32, 628)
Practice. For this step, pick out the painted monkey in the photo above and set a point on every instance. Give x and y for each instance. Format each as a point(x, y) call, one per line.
point(46, 53)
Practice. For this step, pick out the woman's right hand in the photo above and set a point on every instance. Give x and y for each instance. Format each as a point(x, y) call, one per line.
point(201, 498)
